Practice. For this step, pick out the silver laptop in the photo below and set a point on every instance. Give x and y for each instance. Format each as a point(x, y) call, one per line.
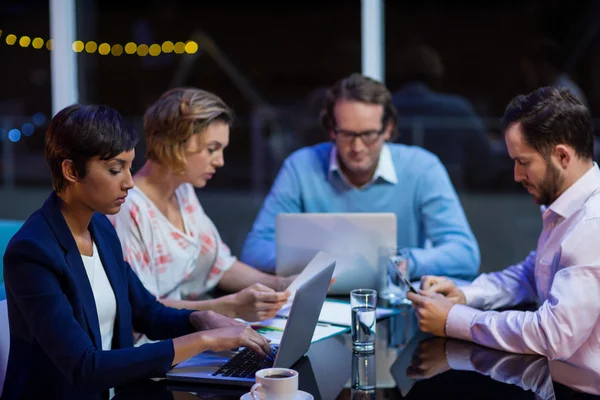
point(239, 367)
point(358, 241)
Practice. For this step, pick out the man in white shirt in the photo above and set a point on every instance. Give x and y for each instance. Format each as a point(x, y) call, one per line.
point(549, 134)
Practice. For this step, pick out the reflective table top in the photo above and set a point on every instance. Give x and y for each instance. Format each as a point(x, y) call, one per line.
point(407, 364)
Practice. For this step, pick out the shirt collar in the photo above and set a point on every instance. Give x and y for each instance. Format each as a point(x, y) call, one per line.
point(385, 167)
point(575, 196)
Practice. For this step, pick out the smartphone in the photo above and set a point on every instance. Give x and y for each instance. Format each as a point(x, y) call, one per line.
point(406, 281)
point(410, 286)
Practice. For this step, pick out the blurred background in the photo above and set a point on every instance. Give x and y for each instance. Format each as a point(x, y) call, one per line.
point(453, 66)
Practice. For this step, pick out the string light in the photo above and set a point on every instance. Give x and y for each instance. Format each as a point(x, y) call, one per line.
point(37, 43)
point(104, 49)
point(142, 50)
point(167, 47)
point(78, 46)
point(130, 48)
point(91, 47)
point(117, 50)
point(179, 48)
point(24, 41)
point(154, 50)
point(191, 47)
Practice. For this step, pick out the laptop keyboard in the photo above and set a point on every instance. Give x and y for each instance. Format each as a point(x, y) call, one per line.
point(245, 364)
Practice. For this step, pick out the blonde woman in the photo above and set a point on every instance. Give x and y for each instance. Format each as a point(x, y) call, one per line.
point(167, 238)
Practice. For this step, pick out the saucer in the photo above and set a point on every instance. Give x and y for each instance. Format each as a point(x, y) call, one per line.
point(299, 396)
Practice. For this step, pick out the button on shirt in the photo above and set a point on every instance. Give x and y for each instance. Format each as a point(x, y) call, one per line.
point(563, 274)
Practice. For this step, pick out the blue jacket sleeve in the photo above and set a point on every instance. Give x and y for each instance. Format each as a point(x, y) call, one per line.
point(151, 317)
point(455, 251)
point(284, 197)
point(36, 287)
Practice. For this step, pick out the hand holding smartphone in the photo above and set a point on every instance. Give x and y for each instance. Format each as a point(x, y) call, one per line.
point(407, 282)
point(401, 266)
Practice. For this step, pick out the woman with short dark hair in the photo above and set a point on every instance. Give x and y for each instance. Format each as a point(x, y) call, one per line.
point(72, 299)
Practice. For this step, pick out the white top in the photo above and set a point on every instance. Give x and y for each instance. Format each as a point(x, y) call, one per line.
point(563, 275)
point(385, 167)
point(171, 263)
point(104, 296)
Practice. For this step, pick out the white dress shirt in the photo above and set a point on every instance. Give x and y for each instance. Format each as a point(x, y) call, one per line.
point(563, 275)
point(385, 168)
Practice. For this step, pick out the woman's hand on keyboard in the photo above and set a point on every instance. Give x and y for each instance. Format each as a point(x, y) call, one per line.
point(236, 336)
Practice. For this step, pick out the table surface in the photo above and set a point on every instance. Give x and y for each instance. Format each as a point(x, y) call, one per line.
point(406, 364)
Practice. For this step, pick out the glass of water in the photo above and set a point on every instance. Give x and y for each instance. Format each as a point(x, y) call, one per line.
point(364, 375)
point(363, 394)
point(363, 303)
point(398, 266)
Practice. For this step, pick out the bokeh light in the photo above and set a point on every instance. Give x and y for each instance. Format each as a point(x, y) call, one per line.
point(117, 50)
point(78, 46)
point(191, 47)
point(91, 47)
point(14, 135)
point(27, 129)
point(37, 43)
point(142, 50)
point(130, 48)
point(25, 41)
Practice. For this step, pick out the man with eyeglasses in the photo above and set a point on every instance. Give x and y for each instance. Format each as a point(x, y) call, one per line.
point(359, 171)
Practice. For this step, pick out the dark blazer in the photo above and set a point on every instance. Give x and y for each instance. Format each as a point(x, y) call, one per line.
point(55, 343)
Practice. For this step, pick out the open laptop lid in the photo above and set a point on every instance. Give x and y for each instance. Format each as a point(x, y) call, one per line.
point(358, 241)
point(303, 317)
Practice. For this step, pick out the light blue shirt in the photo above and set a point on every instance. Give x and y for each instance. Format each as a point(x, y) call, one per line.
point(419, 192)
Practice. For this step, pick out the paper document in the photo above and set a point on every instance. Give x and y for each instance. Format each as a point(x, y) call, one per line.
point(273, 329)
point(316, 265)
point(339, 313)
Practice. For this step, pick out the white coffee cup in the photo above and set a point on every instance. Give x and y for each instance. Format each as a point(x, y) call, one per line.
point(275, 384)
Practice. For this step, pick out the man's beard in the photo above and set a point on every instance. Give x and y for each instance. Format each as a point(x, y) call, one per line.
point(548, 189)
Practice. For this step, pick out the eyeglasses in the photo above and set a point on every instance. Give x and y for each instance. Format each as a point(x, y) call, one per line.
point(367, 137)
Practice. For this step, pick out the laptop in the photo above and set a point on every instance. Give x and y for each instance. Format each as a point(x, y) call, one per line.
point(239, 367)
point(358, 241)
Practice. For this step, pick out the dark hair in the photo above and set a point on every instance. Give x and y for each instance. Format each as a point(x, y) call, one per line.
point(360, 88)
point(80, 133)
point(551, 116)
point(420, 63)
